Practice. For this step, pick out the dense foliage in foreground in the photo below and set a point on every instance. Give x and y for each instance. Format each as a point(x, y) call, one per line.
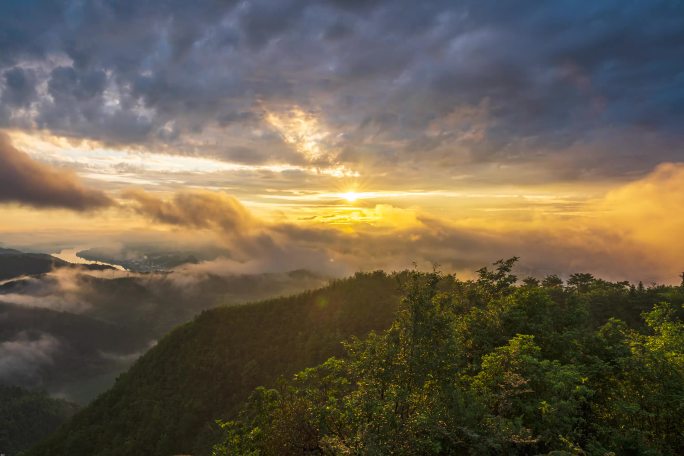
point(487, 367)
point(27, 416)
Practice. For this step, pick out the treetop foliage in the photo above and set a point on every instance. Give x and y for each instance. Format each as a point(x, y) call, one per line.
point(430, 364)
point(488, 367)
point(26, 416)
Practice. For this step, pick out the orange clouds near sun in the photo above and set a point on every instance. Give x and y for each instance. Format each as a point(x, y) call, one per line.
point(650, 211)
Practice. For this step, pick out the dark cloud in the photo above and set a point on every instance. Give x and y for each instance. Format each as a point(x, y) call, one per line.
point(250, 244)
point(198, 209)
point(19, 87)
point(390, 77)
point(246, 155)
point(25, 181)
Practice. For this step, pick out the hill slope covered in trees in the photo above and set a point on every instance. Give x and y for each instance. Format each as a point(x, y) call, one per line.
point(48, 349)
point(479, 366)
point(27, 416)
point(71, 329)
point(202, 371)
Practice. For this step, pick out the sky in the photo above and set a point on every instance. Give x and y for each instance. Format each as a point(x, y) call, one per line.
point(348, 135)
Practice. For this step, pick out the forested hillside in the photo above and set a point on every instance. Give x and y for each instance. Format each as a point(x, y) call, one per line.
point(27, 416)
point(71, 329)
point(481, 366)
point(52, 350)
point(487, 368)
point(202, 371)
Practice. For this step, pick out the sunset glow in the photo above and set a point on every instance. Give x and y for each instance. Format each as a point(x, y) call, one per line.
point(341, 227)
point(351, 197)
point(342, 149)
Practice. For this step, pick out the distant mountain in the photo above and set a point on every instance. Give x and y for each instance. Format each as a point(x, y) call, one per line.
point(28, 416)
point(151, 303)
point(14, 263)
point(169, 400)
point(71, 331)
point(57, 351)
point(142, 261)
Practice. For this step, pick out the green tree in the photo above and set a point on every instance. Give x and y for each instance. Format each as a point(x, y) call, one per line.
point(581, 281)
point(486, 367)
point(533, 403)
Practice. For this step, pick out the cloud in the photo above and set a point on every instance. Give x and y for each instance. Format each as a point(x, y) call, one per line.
point(19, 87)
point(252, 244)
point(62, 289)
point(22, 358)
point(390, 81)
point(632, 232)
point(303, 132)
point(99, 322)
point(137, 306)
point(194, 209)
point(649, 212)
point(409, 93)
point(25, 181)
point(279, 259)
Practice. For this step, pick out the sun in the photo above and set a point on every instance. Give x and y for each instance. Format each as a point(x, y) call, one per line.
point(349, 192)
point(350, 196)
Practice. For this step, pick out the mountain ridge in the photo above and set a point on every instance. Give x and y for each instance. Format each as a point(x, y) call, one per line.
point(168, 401)
point(15, 263)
